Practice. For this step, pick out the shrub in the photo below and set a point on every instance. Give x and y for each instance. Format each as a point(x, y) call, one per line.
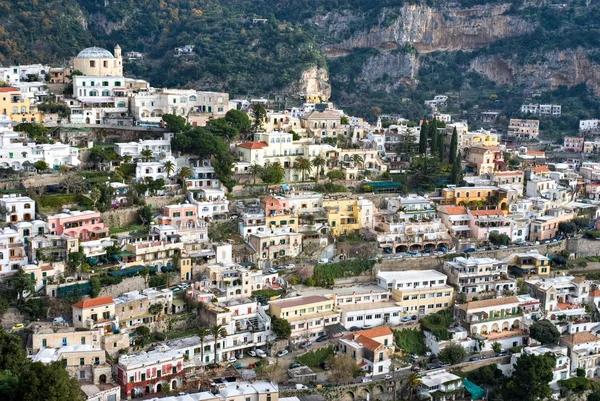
point(315, 358)
point(325, 274)
point(438, 323)
point(411, 341)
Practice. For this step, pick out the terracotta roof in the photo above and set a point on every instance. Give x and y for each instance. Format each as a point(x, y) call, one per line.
point(536, 153)
point(322, 114)
point(540, 169)
point(47, 268)
point(375, 332)
point(92, 303)
point(487, 212)
point(489, 302)
point(578, 280)
point(8, 89)
point(453, 209)
point(579, 338)
point(595, 293)
point(253, 145)
point(368, 343)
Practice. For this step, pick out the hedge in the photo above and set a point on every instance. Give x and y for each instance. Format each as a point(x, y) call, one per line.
point(438, 323)
point(326, 274)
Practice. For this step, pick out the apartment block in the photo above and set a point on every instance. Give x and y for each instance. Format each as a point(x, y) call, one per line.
point(309, 316)
point(523, 129)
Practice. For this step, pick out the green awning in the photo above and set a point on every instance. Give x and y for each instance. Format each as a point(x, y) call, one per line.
point(477, 392)
point(125, 253)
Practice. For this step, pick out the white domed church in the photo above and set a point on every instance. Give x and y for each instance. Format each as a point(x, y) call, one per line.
point(96, 61)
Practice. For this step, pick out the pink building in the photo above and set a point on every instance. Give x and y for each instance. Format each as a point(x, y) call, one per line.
point(275, 205)
point(84, 225)
point(484, 222)
point(573, 143)
point(546, 227)
point(179, 216)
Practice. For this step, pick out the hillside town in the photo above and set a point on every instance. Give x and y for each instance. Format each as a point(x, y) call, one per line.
point(183, 245)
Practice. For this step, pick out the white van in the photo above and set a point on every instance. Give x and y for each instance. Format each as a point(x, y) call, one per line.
point(260, 353)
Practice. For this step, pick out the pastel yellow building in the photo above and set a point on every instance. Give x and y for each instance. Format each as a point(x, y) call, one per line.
point(347, 216)
point(18, 108)
point(282, 221)
point(418, 291)
point(530, 262)
point(461, 196)
point(307, 315)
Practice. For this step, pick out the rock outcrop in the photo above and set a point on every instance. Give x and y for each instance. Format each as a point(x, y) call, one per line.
point(313, 81)
point(568, 67)
point(425, 28)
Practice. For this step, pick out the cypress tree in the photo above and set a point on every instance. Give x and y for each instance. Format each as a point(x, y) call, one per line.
point(434, 141)
point(453, 147)
point(440, 147)
point(423, 138)
point(456, 174)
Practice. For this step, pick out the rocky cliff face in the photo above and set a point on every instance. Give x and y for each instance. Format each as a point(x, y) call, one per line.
point(386, 71)
point(313, 81)
point(569, 67)
point(425, 28)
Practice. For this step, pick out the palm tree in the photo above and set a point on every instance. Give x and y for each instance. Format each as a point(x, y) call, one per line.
point(319, 162)
point(255, 170)
point(146, 154)
point(169, 167)
point(218, 331)
point(304, 166)
point(357, 159)
point(127, 159)
point(412, 383)
point(184, 172)
point(203, 332)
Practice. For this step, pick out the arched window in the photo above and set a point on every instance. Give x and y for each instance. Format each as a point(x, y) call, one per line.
point(23, 109)
point(193, 98)
point(183, 100)
point(15, 110)
point(277, 140)
point(105, 93)
point(93, 93)
point(153, 114)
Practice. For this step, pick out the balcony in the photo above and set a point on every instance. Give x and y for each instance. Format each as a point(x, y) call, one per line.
point(16, 244)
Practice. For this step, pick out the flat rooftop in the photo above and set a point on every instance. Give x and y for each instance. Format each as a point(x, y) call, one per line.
point(411, 275)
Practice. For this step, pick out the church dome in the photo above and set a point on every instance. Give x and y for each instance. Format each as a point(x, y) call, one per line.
point(95, 52)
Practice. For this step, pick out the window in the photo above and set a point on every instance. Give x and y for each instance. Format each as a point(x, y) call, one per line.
point(44, 343)
point(92, 63)
point(81, 361)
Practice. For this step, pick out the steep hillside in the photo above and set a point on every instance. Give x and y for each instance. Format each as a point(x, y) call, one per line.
point(389, 53)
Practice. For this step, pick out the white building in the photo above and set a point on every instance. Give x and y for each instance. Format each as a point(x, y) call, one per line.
point(439, 381)
point(12, 251)
point(586, 125)
point(17, 152)
point(161, 148)
point(474, 276)
point(414, 279)
point(16, 73)
point(152, 170)
point(18, 208)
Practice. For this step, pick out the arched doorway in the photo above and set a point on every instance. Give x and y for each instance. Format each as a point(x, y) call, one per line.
point(159, 388)
point(173, 384)
point(148, 390)
point(401, 249)
point(102, 379)
point(349, 396)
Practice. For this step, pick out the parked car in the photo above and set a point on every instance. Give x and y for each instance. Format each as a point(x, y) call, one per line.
point(428, 353)
point(367, 326)
point(58, 320)
point(260, 353)
point(282, 353)
point(239, 366)
point(251, 353)
point(324, 260)
point(388, 377)
point(305, 345)
point(18, 326)
point(320, 339)
point(295, 365)
point(272, 271)
point(503, 247)
point(290, 266)
point(354, 328)
point(300, 386)
point(414, 356)
point(232, 359)
point(468, 250)
point(474, 358)
point(414, 317)
point(366, 380)
point(405, 319)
